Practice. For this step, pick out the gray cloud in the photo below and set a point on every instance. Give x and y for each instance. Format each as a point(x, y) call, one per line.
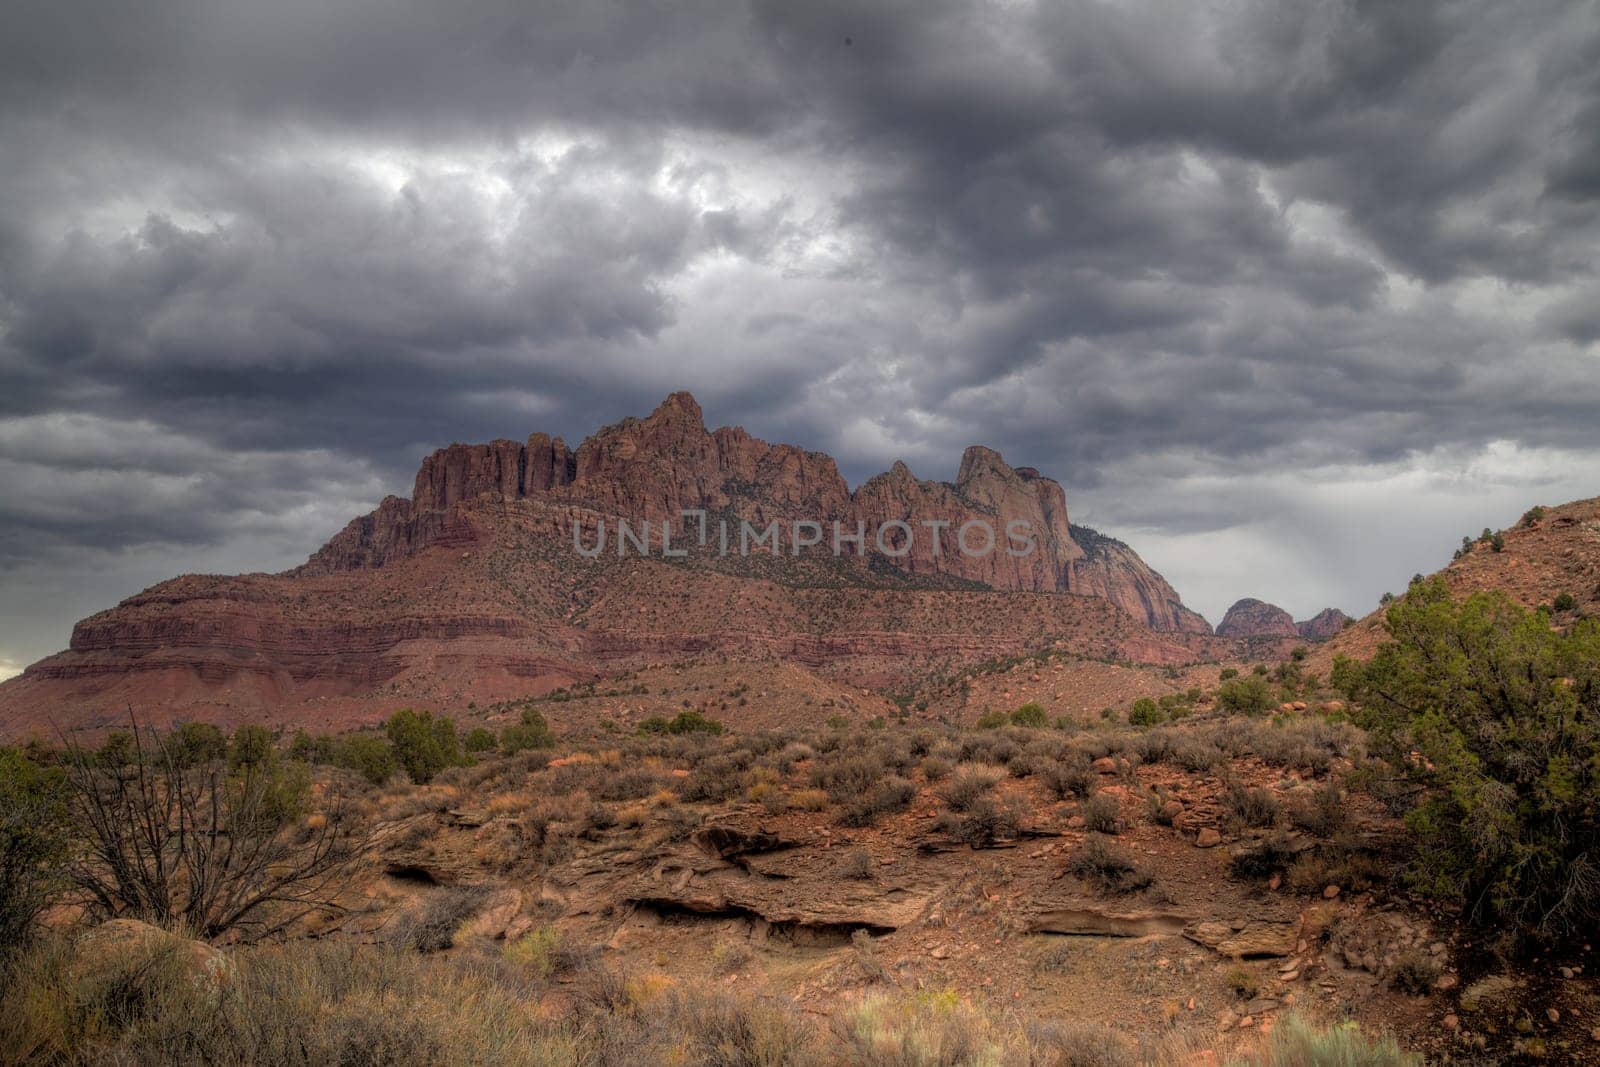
point(256, 259)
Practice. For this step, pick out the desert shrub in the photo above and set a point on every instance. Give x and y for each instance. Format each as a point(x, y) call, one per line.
point(991, 720)
point(984, 822)
point(1101, 814)
point(1298, 1042)
point(687, 721)
point(150, 831)
point(1311, 872)
point(251, 746)
point(935, 768)
point(1080, 1044)
point(969, 782)
point(1155, 803)
point(1025, 765)
point(1153, 746)
point(1319, 812)
point(479, 740)
point(1031, 715)
point(892, 794)
point(309, 748)
point(530, 732)
point(35, 839)
point(732, 956)
point(547, 953)
point(712, 781)
point(1228, 673)
point(1414, 972)
point(1245, 984)
point(423, 745)
point(1264, 858)
point(1195, 753)
point(1146, 712)
point(808, 799)
point(434, 927)
point(856, 865)
point(370, 757)
point(1107, 867)
point(1072, 777)
point(1564, 602)
point(194, 743)
point(927, 1030)
point(1250, 695)
point(1251, 805)
point(848, 778)
point(1499, 717)
point(629, 784)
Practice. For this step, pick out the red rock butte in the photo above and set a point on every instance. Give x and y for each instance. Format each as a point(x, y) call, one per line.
point(472, 588)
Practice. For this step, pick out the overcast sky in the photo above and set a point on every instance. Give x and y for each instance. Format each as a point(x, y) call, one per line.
point(1289, 295)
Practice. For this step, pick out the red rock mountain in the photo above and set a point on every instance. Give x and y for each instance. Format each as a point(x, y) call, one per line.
point(1323, 625)
point(654, 469)
point(473, 587)
point(1256, 618)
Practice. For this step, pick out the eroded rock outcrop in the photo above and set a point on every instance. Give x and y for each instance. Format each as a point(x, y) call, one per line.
point(472, 586)
point(1256, 618)
point(1323, 625)
point(1112, 571)
point(657, 467)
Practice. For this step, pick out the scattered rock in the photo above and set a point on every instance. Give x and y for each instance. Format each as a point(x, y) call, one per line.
point(1207, 838)
point(1330, 892)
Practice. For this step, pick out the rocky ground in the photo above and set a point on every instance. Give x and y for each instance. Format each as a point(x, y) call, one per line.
point(1145, 886)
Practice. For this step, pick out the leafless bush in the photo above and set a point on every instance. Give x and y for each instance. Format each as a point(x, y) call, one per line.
point(203, 847)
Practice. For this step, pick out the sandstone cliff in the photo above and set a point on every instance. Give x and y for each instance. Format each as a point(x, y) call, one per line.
point(659, 466)
point(471, 589)
point(1113, 571)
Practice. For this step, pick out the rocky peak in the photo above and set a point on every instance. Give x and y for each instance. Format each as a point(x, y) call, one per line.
point(667, 462)
point(1256, 618)
point(1323, 625)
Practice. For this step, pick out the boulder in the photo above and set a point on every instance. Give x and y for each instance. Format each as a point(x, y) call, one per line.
point(1249, 939)
point(118, 946)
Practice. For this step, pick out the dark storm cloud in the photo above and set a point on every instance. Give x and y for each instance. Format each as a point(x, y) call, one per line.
point(256, 258)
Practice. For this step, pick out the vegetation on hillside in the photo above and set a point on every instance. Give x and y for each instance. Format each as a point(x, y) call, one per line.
point(1497, 715)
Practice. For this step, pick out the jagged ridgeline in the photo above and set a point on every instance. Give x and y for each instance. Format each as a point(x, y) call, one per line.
point(475, 588)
